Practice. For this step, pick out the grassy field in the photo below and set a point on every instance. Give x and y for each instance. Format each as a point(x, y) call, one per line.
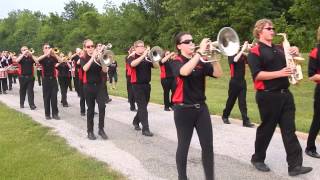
point(217, 90)
point(30, 151)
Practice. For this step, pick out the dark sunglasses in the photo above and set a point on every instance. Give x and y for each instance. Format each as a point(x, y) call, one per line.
point(187, 41)
point(269, 29)
point(90, 46)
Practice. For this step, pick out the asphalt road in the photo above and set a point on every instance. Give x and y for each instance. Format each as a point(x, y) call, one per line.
point(140, 157)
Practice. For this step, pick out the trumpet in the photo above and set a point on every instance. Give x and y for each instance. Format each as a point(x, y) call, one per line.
point(31, 50)
point(56, 50)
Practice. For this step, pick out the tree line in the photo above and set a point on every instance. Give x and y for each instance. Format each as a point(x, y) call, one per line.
point(156, 22)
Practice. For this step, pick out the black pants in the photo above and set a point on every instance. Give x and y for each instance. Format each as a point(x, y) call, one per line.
point(142, 96)
point(64, 83)
point(26, 87)
point(237, 90)
point(315, 126)
point(105, 89)
point(277, 108)
point(39, 76)
point(113, 76)
point(10, 80)
point(76, 84)
point(70, 81)
point(131, 99)
point(3, 85)
point(167, 84)
point(50, 91)
point(186, 119)
point(93, 93)
point(82, 98)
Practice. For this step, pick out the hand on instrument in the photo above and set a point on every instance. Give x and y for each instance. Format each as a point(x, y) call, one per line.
point(204, 45)
point(294, 50)
point(285, 72)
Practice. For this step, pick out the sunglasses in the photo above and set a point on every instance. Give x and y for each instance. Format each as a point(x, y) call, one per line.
point(47, 47)
point(187, 41)
point(270, 28)
point(90, 46)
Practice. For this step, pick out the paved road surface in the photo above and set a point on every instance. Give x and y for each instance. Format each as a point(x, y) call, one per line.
point(139, 157)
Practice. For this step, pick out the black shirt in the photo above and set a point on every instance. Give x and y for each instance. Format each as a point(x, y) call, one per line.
point(237, 69)
point(190, 89)
point(93, 75)
point(63, 70)
point(266, 58)
point(165, 69)
point(113, 67)
point(140, 74)
point(26, 66)
point(48, 66)
point(314, 62)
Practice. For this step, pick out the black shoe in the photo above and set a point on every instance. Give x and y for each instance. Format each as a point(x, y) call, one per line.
point(261, 166)
point(95, 113)
point(248, 124)
point(313, 154)
point(108, 100)
point(134, 110)
point(82, 114)
point(21, 106)
point(91, 136)
point(136, 127)
point(0, 92)
point(299, 170)
point(65, 105)
point(32, 107)
point(48, 117)
point(167, 109)
point(10, 89)
point(56, 117)
point(147, 133)
point(4, 92)
point(225, 120)
point(102, 134)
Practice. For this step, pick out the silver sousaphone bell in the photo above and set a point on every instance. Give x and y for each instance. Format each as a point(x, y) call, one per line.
point(155, 54)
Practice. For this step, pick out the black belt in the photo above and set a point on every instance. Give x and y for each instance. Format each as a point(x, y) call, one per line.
point(49, 77)
point(26, 76)
point(276, 90)
point(197, 106)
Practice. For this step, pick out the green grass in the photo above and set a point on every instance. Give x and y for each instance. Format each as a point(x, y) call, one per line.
point(30, 151)
point(217, 90)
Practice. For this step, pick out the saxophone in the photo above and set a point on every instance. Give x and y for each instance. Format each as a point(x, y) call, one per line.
point(292, 62)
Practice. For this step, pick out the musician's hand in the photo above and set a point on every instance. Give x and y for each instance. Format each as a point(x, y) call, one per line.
point(244, 46)
point(294, 50)
point(145, 53)
point(285, 72)
point(204, 45)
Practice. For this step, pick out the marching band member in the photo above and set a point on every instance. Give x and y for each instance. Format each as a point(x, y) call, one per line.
point(49, 85)
point(75, 69)
point(113, 73)
point(314, 75)
point(8, 61)
point(190, 109)
point(39, 73)
point(26, 76)
point(275, 101)
point(64, 80)
point(167, 79)
point(131, 99)
point(140, 80)
point(3, 74)
point(237, 87)
point(93, 88)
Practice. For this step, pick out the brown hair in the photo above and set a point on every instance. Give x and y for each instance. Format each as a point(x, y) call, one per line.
point(177, 39)
point(258, 27)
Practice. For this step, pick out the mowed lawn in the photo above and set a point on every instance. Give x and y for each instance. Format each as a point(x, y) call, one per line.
point(29, 151)
point(217, 93)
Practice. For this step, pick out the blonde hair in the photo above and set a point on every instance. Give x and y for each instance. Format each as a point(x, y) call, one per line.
point(85, 42)
point(138, 42)
point(258, 27)
point(318, 35)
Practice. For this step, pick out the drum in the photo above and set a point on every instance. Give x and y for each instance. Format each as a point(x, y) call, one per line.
point(3, 73)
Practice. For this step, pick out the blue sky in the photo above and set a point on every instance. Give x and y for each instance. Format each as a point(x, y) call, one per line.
point(45, 6)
